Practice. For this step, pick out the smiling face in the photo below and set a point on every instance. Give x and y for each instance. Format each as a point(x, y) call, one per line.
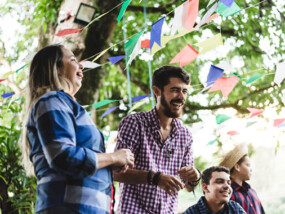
point(172, 98)
point(71, 70)
point(219, 190)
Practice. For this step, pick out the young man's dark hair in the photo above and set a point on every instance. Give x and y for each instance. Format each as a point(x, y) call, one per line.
point(162, 75)
point(207, 174)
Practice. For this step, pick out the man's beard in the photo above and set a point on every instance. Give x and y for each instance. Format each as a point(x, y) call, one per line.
point(167, 111)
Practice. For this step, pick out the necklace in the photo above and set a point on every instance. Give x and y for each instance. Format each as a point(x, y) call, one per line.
point(162, 138)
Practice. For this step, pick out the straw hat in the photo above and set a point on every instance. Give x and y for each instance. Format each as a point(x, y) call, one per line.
point(232, 157)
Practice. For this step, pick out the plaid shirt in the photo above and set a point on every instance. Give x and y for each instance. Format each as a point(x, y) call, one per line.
point(64, 142)
point(140, 133)
point(201, 208)
point(247, 198)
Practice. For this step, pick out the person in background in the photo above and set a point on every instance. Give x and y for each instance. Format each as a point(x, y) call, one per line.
point(238, 162)
point(162, 147)
point(216, 185)
point(61, 144)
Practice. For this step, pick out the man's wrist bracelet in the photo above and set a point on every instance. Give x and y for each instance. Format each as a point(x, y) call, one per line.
point(149, 177)
point(156, 178)
point(195, 183)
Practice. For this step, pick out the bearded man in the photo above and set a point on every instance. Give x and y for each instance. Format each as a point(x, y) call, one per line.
point(162, 147)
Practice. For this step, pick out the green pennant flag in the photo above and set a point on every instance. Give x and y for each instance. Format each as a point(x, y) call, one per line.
point(252, 79)
point(130, 45)
point(21, 68)
point(212, 142)
point(235, 74)
point(250, 123)
point(227, 11)
point(123, 9)
point(102, 103)
point(221, 118)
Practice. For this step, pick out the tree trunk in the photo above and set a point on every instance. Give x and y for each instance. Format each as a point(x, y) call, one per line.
point(4, 205)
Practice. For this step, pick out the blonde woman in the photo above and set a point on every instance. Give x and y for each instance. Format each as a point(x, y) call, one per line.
point(61, 144)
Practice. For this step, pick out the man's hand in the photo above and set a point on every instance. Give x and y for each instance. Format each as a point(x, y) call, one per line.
point(170, 184)
point(189, 173)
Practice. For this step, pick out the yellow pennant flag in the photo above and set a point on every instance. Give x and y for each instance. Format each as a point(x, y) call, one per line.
point(181, 32)
point(210, 44)
point(102, 52)
point(137, 104)
point(164, 40)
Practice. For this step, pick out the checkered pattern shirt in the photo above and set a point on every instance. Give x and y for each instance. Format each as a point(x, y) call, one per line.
point(64, 142)
point(201, 208)
point(140, 133)
point(247, 198)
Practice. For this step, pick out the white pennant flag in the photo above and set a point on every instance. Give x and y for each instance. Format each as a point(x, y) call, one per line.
point(208, 14)
point(89, 64)
point(280, 73)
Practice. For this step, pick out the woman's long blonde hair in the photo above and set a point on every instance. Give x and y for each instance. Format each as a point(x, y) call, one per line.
point(44, 76)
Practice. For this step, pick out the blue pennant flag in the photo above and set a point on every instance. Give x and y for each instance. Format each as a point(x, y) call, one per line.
point(115, 59)
point(214, 73)
point(109, 111)
point(138, 98)
point(228, 3)
point(155, 33)
point(10, 94)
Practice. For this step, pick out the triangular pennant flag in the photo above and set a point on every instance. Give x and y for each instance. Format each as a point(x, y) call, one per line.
point(136, 105)
point(221, 118)
point(232, 133)
point(115, 59)
point(65, 32)
point(228, 3)
point(185, 56)
point(225, 84)
point(214, 73)
point(190, 14)
point(278, 122)
point(101, 53)
point(177, 20)
point(6, 95)
point(208, 14)
point(254, 112)
point(227, 11)
point(252, 79)
point(123, 9)
point(281, 125)
point(212, 142)
point(181, 32)
point(131, 47)
point(155, 33)
point(103, 103)
point(280, 73)
point(1, 80)
point(89, 64)
point(250, 123)
point(21, 68)
point(164, 41)
point(210, 43)
point(236, 74)
point(214, 16)
point(109, 111)
point(145, 43)
point(138, 98)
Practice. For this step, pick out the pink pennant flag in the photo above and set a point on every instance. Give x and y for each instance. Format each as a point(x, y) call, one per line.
point(278, 122)
point(185, 56)
point(214, 16)
point(190, 13)
point(65, 32)
point(232, 133)
point(254, 111)
point(145, 43)
point(225, 84)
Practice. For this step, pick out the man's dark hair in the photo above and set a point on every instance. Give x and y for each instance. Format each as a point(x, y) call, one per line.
point(207, 173)
point(239, 163)
point(162, 75)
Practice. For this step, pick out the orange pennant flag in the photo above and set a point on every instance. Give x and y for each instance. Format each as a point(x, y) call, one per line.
point(185, 56)
point(254, 111)
point(225, 84)
point(232, 133)
point(65, 32)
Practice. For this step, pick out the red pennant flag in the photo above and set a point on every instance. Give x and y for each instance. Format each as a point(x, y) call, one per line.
point(254, 111)
point(278, 122)
point(145, 43)
point(185, 56)
point(232, 133)
point(65, 32)
point(1, 80)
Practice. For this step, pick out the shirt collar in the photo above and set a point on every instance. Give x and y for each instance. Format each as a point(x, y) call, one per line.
point(245, 186)
point(203, 207)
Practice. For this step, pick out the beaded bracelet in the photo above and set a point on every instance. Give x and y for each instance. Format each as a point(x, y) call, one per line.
point(149, 176)
point(156, 178)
